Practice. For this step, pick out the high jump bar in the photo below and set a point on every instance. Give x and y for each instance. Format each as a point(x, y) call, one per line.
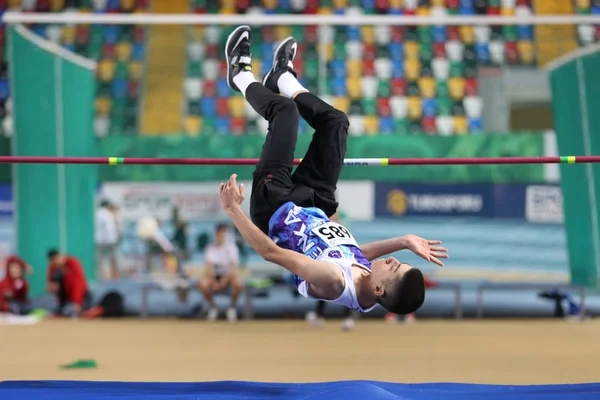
point(366, 162)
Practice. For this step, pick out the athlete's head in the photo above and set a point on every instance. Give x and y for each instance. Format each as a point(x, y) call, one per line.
point(399, 287)
point(221, 234)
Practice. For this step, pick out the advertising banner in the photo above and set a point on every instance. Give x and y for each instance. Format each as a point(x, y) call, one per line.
point(544, 204)
point(6, 201)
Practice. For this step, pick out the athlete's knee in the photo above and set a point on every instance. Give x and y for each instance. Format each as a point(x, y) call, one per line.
point(337, 118)
point(287, 107)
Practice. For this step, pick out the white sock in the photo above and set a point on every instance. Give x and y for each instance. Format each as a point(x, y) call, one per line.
point(243, 80)
point(288, 84)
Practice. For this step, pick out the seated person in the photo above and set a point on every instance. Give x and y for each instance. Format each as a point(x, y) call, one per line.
point(221, 260)
point(14, 288)
point(66, 280)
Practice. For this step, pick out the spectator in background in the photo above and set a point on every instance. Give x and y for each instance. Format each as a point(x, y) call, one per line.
point(221, 263)
point(180, 240)
point(66, 280)
point(107, 238)
point(14, 288)
point(159, 247)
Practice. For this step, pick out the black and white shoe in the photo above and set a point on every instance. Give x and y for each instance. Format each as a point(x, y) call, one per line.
point(283, 59)
point(238, 54)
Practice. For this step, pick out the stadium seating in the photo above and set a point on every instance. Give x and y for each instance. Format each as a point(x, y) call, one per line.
point(119, 50)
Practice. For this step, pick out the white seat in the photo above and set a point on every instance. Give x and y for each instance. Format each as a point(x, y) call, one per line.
point(369, 87)
point(383, 68)
point(54, 33)
point(263, 126)
point(382, 34)
point(455, 50)
point(523, 11)
point(99, 5)
point(249, 112)
point(8, 106)
point(497, 51)
point(508, 3)
point(212, 34)
point(444, 125)
point(399, 106)
point(210, 69)
point(473, 106)
point(354, 50)
point(8, 126)
point(441, 68)
point(298, 5)
point(101, 126)
point(196, 51)
point(586, 33)
point(438, 12)
point(327, 98)
point(411, 4)
point(482, 33)
point(193, 88)
point(354, 11)
point(357, 125)
point(326, 33)
point(28, 5)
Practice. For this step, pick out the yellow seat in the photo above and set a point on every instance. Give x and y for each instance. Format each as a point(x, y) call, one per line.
point(461, 125)
point(371, 125)
point(354, 68)
point(196, 33)
point(68, 34)
point(340, 3)
point(326, 50)
point(438, 3)
point(103, 106)
point(123, 50)
point(411, 50)
point(227, 10)
point(14, 4)
point(456, 87)
point(128, 5)
point(342, 103)
point(135, 70)
point(583, 4)
point(414, 107)
point(236, 106)
point(106, 70)
point(412, 70)
point(354, 88)
point(192, 125)
point(228, 3)
point(367, 32)
point(508, 12)
point(525, 48)
point(324, 10)
point(257, 67)
point(427, 87)
point(269, 4)
point(57, 5)
point(282, 31)
point(467, 34)
point(422, 11)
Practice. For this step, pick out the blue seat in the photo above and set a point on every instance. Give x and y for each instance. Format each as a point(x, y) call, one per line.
point(338, 68)
point(475, 125)
point(119, 88)
point(439, 34)
point(386, 125)
point(396, 51)
point(4, 90)
point(354, 34)
point(70, 47)
point(368, 4)
point(596, 10)
point(466, 10)
point(266, 53)
point(223, 89)
point(208, 105)
point(482, 50)
point(397, 69)
point(269, 11)
point(222, 125)
point(338, 87)
point(302, 81)
point(339, 11)
point(429, 107)
point(395, 11)
point(39, 30)
point(525, 32)
point(138, 52)
point(113, 4)
point(283, 5)
point(111, 34)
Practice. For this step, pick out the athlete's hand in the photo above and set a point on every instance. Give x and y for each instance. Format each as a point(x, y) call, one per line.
point(426, 249)
point(232, 195)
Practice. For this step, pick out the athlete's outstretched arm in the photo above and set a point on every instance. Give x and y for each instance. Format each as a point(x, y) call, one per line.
point(318, 273)
point(424, 248)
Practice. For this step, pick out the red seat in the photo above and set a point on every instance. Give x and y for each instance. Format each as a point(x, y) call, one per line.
point(369, 67)
point(383, 106)
point(369, 51)
point(268, 34)
point(597, 32)
point(493, 10)
point(3, 4)
point(223, 68)
point(310, 33)
point(242, 5)
point(82, 34)
point(210, 88)
point(512, 52)
point(43, 5)
point(452, 4)
point(439, 50)
point(397, 34)
point(471, 86)
point(109, 51)
point(238, 126)
point(199, 10)
point(212, 51)
point(141, 3)
point(133, 89)
point(223, 106)
point(453, 33)
point(428, 125)
point(139, 34)
point(382, 6)
point(523, 3)
point(398, 86)
point(300, 49)
point(410, 12)
point(299, 66)
point(311, 7)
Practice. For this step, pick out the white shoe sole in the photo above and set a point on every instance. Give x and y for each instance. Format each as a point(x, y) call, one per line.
point(231, 35)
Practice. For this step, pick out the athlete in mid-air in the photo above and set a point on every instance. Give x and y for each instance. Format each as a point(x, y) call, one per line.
point(290, 212)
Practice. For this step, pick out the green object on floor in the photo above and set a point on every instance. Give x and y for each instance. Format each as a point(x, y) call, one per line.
point(260, 283)
point(39, 313)
point(80, 364)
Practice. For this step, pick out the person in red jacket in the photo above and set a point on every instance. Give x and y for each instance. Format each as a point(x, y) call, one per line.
point(14, 287)
point(66, 280)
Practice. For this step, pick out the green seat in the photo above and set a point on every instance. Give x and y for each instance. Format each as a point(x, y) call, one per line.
point(85, 4)
point(208, 125)
point(311, 52)
point(496, 33)
point(126, 34)
point(426, 69)
point(443, 106)
point(441, 88)
point(341, 34)
point(369, 107)
point(195, 68)
point(121, 70)
point(339, 51)
point(117, 123)
point(200, 3)
point(583, 11)
point(118, 107)
point(452, 11)
point(494, 3)
point(414, 127)
point(412, 89)
point(383, 51)
point(426, 52)
point(311, 69)
point(410, 34)
point(510, 33)
point(298, 31)
point(400, 126)
point(457, 68)
point(355, 108)
point(383, 88)
point(104, 90)
point(193, 108)
point(424, 34)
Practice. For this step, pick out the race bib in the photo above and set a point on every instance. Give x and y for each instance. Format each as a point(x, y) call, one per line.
point(334, 234)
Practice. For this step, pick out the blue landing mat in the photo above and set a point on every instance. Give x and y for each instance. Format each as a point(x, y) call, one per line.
point(348, 390)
